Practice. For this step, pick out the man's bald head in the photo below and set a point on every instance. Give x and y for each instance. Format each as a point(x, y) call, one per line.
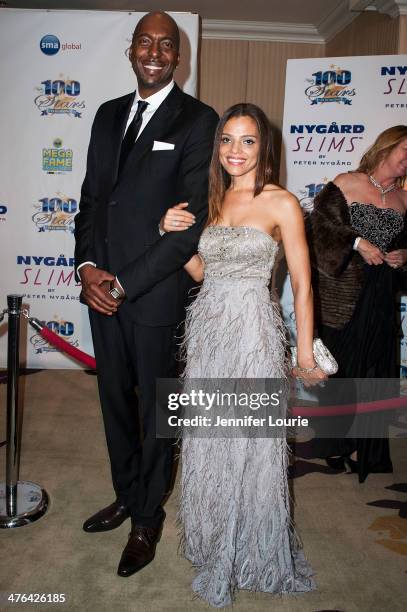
point(154, 52)
point(160, 15)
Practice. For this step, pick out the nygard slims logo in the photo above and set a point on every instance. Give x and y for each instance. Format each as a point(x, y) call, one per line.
point(394, 80)
point(333, 85)
point(57, 160)
point(60, 97)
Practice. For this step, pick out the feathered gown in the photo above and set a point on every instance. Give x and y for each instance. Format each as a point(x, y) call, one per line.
point(235, 506)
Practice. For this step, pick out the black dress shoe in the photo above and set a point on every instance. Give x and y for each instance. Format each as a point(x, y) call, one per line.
point(108, 518)
point(140, 549)
point(336, 463)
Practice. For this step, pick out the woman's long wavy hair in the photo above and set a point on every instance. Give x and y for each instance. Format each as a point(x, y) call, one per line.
point(381, 148)
point(219, 179)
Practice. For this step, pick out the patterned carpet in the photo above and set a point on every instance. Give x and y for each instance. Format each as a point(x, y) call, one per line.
point(355, 536)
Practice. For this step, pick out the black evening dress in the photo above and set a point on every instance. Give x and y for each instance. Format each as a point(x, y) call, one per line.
point(366, 346)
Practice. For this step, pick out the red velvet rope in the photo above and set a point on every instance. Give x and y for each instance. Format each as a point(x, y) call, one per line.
point(77, 354)
point(306, 411)
point(358, 408)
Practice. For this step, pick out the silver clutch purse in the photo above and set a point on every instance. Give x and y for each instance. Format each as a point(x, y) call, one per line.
point(323, 357)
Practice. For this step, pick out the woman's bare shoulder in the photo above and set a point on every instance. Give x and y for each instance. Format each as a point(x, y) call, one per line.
point(347, 180)
point(279, 200)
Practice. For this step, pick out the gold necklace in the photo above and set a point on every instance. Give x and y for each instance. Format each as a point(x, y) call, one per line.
point(383, 190)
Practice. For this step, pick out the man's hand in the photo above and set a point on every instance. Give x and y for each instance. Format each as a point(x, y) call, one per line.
point(95, 289)
point(370, 253)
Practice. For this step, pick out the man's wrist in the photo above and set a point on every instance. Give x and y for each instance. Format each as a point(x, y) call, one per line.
point(83, 265)
point(116, 290)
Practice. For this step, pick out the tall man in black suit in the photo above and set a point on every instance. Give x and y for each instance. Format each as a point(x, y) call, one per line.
point(148, 150)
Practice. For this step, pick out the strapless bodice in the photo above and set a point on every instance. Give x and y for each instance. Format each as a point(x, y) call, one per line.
point(242, 252)
point(378, 225)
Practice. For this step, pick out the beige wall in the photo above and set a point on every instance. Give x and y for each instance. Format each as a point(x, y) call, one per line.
point(402, 35)
point(235, 71)
point(248, 71)
point(369, 34)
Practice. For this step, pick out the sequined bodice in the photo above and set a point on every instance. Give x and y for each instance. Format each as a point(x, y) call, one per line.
point(237, 252)
point(378, 225)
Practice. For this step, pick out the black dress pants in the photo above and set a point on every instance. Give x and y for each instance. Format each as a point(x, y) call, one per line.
point(128, 354)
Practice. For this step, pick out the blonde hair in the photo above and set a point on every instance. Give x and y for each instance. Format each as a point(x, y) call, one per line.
point(381, 148)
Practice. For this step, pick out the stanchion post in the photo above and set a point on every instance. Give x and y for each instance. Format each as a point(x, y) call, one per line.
point(14, 303)
point(21, 502)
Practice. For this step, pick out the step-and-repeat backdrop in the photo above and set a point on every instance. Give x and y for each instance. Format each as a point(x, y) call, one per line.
point(334, 109)
point(56, 68)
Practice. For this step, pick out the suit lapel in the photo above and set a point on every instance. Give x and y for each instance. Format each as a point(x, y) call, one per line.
point(118, 129)
point(157, 127)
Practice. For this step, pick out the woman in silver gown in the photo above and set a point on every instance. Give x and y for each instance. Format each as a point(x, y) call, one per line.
point(235, 505)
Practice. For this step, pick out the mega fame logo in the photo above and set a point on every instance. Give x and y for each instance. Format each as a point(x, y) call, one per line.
point(51, 45)
point(395, 84)
point(55, 214)
point(64, 329)
point(319, 140)
point(59, 97)
point(333, 85)
point(57, 160)
point(307, 194)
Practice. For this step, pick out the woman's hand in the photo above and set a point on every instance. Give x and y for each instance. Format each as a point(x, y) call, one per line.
point(309, 376)
point(176, 219)
point(396, 259)
point(370, 253)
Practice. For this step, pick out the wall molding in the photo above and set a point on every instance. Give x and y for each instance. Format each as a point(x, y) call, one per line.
point(393, 8)
point(336, 21)
point(326, 30)
point(224, 29)
point(332, 24)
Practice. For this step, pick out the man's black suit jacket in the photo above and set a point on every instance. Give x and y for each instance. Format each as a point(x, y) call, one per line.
point(117, 223)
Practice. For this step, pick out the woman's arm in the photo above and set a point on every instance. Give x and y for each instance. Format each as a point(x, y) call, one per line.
point(291, 224)
point(177, 220)
point(195, 268)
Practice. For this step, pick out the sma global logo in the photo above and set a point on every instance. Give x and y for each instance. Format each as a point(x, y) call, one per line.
point(49, 44)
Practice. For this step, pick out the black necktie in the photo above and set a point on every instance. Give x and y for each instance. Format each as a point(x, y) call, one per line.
point(131, 133)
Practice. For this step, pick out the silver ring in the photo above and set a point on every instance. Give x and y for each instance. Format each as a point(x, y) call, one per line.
point(175, 223)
